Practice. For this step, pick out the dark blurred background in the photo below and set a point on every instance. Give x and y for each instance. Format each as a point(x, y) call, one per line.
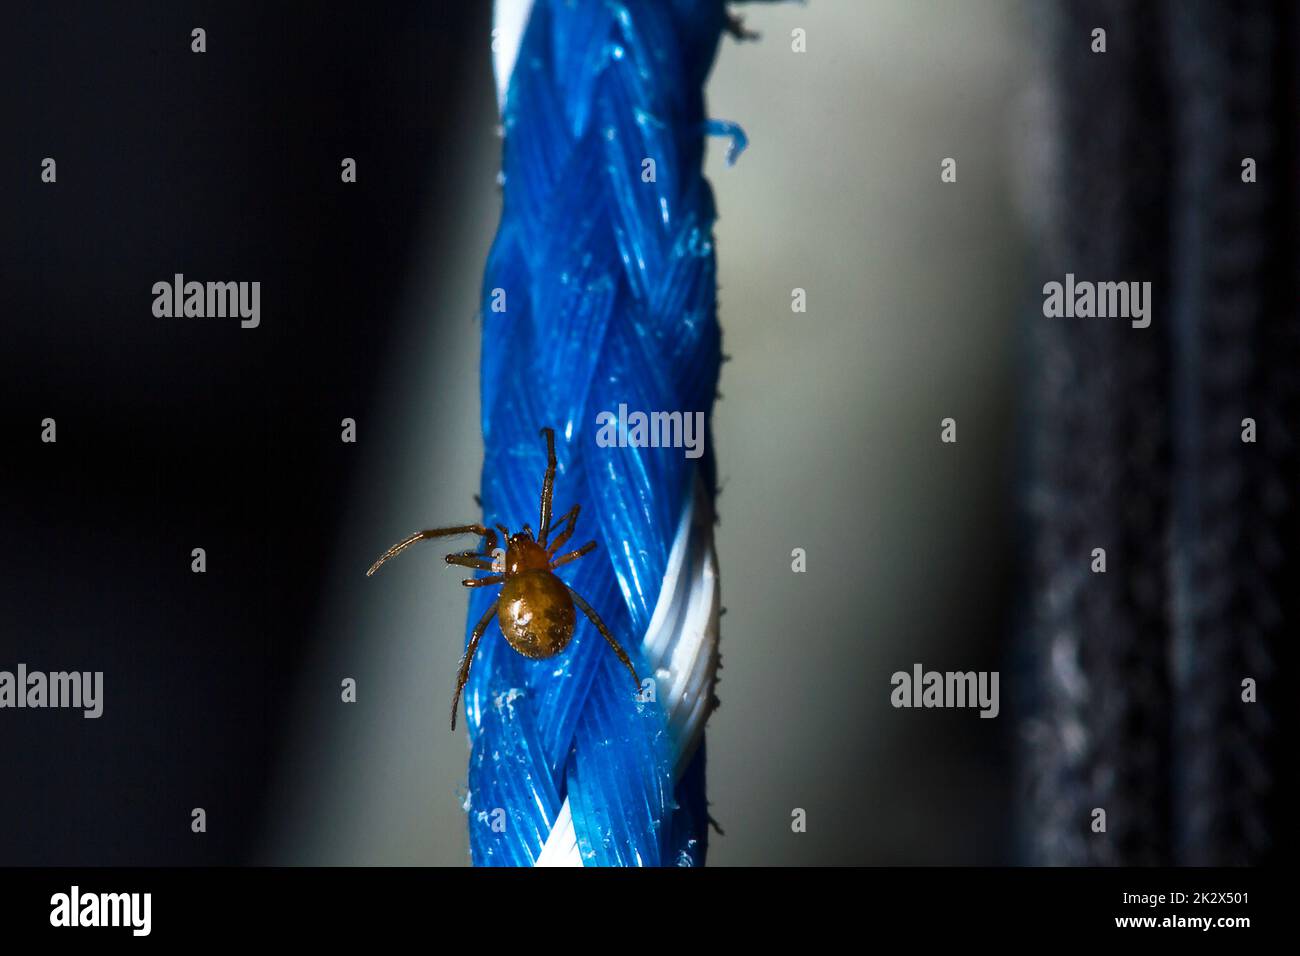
point(184, 433)
point(222, 688)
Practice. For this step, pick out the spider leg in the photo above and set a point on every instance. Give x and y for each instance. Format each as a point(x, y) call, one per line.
point(548, 487)
point(604, 632)
point(483, 582)
point(465, 661)
point(470, 559)
point(587, 548)
point(569, 520)
point(395, 550)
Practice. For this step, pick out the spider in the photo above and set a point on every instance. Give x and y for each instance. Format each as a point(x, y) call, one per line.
point(535, 608)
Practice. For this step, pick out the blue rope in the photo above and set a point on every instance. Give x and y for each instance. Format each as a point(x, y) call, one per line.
point(609, 285)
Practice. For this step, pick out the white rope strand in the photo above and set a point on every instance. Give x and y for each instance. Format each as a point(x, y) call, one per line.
point(680, 645)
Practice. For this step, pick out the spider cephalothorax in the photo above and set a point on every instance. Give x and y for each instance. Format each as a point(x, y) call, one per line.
point(535, 608)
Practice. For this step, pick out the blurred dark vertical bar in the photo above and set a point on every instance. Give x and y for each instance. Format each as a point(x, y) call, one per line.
point(1099, 469)
point(1234, 316)
point(1134, 435)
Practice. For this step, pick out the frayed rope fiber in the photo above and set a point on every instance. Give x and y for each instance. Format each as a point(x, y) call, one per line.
point(599, 292)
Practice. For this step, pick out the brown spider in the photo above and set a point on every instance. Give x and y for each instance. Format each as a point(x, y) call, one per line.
point(534, 609)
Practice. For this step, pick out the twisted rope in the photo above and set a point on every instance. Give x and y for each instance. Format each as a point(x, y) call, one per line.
point(609, 299)
point(1097, 734)
point(1136, 437)
point(1237, 326)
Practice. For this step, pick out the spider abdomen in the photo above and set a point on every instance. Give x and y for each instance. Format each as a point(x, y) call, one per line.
point(536, 613)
